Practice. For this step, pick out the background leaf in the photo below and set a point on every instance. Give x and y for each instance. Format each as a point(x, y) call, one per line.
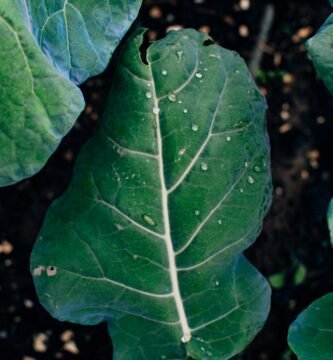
point(311, 335)
point(38, 103)
point(79, 37)
point(166, 197)
point(321, 51)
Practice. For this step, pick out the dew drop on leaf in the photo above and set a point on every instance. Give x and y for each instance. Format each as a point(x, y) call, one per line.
point(172, 97)
point(250, 180)
point(204, 166)
point(148, 220)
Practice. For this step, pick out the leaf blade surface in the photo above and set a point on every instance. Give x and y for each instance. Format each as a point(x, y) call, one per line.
point(321, 52)
point(161, 219)
point(46, 47)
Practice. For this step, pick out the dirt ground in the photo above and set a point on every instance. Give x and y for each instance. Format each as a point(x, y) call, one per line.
point(293, 251)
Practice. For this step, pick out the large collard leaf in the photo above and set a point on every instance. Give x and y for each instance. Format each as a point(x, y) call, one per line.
point(166, 197)
point(79, 36)
point(320, 48)
point(38, 103)
point(311, 335)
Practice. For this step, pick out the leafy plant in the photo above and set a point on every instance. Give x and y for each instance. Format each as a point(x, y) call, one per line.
point(55, 45)
point(321, 51)
point(165, 198)
point(310, 335)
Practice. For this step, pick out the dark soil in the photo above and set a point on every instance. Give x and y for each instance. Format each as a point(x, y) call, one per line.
point(295, 232)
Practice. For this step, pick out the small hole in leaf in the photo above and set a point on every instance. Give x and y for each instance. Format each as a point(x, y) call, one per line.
point(208, 42)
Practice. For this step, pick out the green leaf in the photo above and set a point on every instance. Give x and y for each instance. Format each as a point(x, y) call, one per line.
point(300, 275)
point(330, 220)
point(277, 280)
point(38, 103)
point(165, 198)
point(320, 48)
point(311, 335)
point(78, 36)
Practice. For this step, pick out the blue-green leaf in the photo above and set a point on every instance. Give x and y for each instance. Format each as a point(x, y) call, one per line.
point(165, 199)
point(45, 47)
point(320, 48)
point(78, 36)
point(311, 335)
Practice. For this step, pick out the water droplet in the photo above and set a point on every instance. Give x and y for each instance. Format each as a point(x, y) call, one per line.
point(172, 97)
point(195, 127)
point(204, 166)
point(228, 138)
point(164, 72)
point(180, 55)
point(185, 111)
point(197, 212)
point(148, 220)
point(148, 95)
point(119, 227)
point(156, 110)
point(198, 75)
point(182, 151)
point(250, 180)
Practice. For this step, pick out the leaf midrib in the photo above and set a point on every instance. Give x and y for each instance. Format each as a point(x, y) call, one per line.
point(166, 220)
